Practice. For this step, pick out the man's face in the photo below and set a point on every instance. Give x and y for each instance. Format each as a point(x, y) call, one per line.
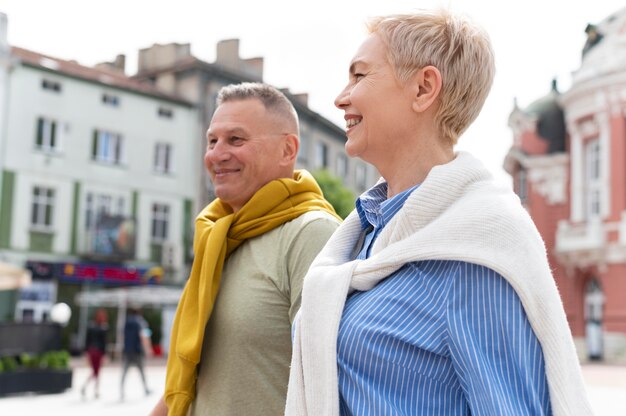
point(245, 150)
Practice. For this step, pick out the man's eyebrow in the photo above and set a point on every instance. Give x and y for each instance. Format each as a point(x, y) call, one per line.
point(234, 130)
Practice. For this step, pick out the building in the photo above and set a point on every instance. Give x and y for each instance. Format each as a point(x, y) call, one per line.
point(97, 184)
point(173, 69)
point(568, 163)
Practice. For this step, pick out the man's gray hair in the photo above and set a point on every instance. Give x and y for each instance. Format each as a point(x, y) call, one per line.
point(273, 99)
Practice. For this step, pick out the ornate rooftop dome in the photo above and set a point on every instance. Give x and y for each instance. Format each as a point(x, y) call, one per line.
point(550, 119)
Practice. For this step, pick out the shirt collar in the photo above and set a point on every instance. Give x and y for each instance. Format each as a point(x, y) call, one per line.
point(375, 209)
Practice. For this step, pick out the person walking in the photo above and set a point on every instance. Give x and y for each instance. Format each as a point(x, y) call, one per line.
point(136, 333)
point(435, 296)
point(231, 339)
point(95, 349)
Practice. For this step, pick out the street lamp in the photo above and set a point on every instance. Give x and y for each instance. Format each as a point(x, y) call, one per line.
point(60, 313)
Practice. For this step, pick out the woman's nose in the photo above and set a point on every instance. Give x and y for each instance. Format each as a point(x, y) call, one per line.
point(343, 99)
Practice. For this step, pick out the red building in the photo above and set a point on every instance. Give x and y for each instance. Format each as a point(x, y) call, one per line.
point(568, 163)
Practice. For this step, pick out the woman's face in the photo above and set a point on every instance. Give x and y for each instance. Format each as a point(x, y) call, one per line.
point(376, 105)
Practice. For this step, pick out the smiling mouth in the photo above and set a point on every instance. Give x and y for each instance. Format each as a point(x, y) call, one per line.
point(352, 122)
point(223, 172)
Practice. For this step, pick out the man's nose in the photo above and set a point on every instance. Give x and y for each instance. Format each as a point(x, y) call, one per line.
point(217, 152)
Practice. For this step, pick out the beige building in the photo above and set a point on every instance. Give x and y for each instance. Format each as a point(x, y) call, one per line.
point(172, 69)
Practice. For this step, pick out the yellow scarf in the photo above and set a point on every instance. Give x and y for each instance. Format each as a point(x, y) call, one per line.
point(218, 233)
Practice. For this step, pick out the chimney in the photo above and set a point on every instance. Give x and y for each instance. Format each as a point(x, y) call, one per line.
point(160, 56)
point(302, 98)
point(227, 55)
point(118, 65)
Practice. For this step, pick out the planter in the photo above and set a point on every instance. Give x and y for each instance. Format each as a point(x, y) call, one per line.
point(35, 381)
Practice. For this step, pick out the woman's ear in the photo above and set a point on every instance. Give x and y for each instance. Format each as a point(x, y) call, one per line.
point(428, 87)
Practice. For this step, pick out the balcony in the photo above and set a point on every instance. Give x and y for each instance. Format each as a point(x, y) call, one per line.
point(583, 237)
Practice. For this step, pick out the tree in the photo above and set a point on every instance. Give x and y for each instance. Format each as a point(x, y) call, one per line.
point(340, 197)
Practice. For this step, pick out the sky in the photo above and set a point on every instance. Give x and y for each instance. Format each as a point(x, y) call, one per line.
point(307, 46)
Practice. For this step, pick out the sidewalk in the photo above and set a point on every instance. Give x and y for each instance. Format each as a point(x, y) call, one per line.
point(606, 386)
point(70, 403)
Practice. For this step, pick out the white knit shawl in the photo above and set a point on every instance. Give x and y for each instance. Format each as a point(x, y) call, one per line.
point(457, 213)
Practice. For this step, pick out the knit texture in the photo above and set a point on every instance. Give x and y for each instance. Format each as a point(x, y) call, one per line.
point(457, 213)
point(218, 233)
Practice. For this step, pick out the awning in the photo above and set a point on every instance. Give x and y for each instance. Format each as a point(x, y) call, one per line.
point(13, 277)
point(137, 296)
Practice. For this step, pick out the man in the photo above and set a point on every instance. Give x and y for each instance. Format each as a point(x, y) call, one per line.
point(230, 349)
point(136, 335)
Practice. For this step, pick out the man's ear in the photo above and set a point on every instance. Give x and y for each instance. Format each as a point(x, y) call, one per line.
point(428, 87)
point(291, 144)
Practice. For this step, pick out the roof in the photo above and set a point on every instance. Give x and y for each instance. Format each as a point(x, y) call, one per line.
point(190, 63)
point(100, 76)
point(550, 119)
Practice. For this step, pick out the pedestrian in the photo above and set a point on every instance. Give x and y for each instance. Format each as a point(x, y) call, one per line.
point(231, 340)
point(435, 296)
point(136, 342)
point(95, 349)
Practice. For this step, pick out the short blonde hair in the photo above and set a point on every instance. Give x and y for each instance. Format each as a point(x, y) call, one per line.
point(457, 47)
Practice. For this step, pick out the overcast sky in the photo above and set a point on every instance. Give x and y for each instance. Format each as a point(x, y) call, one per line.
point(307, 45)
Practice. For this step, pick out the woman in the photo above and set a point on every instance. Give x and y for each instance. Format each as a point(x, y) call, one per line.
point(95, 347)
point(435, 296)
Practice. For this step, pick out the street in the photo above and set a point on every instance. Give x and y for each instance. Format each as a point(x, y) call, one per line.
point(606, 386)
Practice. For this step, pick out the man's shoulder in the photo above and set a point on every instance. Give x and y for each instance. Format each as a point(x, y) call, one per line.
point(309, 226)
point(311, 223)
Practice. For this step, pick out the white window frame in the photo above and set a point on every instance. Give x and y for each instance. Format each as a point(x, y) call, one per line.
point(42, 208)
point(321, 155)
point(110, 100)
point(163, 158)
point(303, 152)
point(522, 185)
point(159, 227)
point(48, 135)
point(593, 179)
point(342, 166)
point(108, 148)
point(360, 177)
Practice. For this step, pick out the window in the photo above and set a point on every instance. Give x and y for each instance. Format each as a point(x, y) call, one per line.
point(522, 185)
point(361, 177)
point(593, 182)
point(163, 158)
point(342, 166)
point(165, 112)
point(49, 85)
point(303, 152)
point(48, 135)
point(97, 205)
point(111, 100)
point(160, 221)
point(43, 204)
point(321, 155)
point(107, 147)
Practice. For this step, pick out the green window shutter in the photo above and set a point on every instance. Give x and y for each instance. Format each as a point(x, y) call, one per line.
point(39, 138)
point(53, 135)
point(94, 145)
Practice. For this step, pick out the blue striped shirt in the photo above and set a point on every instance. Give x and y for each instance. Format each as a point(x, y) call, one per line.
point(436, 338)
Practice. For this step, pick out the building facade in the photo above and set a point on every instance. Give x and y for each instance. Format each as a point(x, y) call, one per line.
point(173, 69)
point(568, 163)
point(97, 183)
